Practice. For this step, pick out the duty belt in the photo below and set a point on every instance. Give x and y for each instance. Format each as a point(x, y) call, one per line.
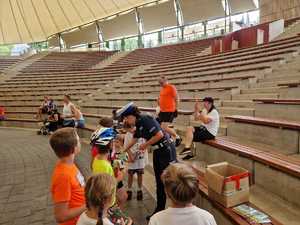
point(162, 144)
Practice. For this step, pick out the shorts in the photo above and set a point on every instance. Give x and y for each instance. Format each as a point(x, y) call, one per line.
point(79, 123)
point(166, 117)
point(202, 134)
point(68, 123)
point(137, 171)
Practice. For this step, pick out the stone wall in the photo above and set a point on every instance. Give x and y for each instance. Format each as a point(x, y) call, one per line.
point(279, 9)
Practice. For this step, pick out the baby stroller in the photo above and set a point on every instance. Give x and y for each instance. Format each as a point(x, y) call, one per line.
point(44, 130)
point(50, 124)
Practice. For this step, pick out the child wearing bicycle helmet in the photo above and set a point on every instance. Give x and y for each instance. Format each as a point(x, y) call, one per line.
point(102, 141)
point(103, 162)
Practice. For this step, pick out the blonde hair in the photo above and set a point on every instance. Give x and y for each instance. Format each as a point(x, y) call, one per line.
point(99, 189)
point(181, 183)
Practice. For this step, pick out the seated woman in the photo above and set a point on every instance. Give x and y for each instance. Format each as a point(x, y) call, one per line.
point(209, 117)
point(68, 112)
point(79, 120)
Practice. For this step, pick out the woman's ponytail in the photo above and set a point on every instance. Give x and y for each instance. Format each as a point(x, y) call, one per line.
point(100, 215)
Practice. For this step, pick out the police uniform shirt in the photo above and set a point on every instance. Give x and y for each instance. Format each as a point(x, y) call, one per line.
point(146, 127)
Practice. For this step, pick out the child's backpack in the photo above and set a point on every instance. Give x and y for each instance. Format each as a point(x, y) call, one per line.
point(2, 113)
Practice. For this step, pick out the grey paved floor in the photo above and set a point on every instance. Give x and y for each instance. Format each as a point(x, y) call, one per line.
point(26, 164)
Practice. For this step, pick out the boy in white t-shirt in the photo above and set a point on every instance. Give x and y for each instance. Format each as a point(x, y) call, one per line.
point(181, 185)
point(136, 164)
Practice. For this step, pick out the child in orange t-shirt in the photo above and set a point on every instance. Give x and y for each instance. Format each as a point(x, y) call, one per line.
point(67, 186)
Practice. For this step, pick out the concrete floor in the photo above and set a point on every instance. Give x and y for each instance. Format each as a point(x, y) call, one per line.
point(26, 165)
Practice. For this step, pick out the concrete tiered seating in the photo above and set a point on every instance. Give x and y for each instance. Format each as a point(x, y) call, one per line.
point(6, 62)
point(67, 61)
point(267, 146)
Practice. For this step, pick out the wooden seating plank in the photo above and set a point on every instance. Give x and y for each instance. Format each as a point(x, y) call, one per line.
point(265, 121)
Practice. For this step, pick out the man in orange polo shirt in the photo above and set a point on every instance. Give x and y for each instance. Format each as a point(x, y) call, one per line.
point(168, 101)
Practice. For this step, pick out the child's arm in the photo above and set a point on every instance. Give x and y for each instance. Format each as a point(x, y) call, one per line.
point(63, 213)
point(130, 156)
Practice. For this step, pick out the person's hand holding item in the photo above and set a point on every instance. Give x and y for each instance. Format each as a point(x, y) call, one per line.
point(143, 147)
point(130, 157)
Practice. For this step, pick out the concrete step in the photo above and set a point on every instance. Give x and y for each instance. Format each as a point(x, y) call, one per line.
point(269, 84)
point(285, 141)
point(238, 103)
point(289, 112)
point(236, 111)
point(253, 96)
point(270, 90)
point(272, 204)
point(276, 182)
point(20, 123)
point(26, 115)
point(283, 77)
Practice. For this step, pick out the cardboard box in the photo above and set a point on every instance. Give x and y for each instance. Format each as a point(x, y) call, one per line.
point(227, 184)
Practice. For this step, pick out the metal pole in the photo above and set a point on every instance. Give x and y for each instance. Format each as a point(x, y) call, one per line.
point(226, 7)
point(98, 34)
point(140, 32)
point(60, 42)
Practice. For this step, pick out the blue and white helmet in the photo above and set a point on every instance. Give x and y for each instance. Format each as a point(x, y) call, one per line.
point(126, 110)
point(103, 136)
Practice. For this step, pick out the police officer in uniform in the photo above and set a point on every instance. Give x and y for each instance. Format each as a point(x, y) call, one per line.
point(164, 151)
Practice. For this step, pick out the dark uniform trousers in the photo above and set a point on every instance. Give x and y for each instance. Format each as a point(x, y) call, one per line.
point(162, 157)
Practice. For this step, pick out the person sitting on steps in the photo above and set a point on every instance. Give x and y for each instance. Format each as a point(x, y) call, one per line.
point(209, 117)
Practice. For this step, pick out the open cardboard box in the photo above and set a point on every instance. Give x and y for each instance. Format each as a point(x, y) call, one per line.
point(227, 184)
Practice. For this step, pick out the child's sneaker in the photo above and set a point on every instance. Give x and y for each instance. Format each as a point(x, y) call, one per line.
point(139, 195)
point(129, 195)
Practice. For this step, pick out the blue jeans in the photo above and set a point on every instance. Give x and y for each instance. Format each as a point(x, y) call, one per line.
point(79, 123)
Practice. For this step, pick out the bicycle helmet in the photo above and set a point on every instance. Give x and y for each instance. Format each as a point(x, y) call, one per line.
point(103, 136)
point(129, 109)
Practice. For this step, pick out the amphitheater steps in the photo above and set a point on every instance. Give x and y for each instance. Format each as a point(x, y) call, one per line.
point(238, 103)
point(110, 85)
point(110, 60)
point(281, 210)
point(23, 123)
point(13, 70)
point(266, 90)
point(280, 78)
point(290, 31)
point(254, 96)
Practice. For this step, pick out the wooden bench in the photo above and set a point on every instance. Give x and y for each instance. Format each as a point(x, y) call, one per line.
point(295, 83)
point(267, 157)
point(278, 101)
point(266, 122)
